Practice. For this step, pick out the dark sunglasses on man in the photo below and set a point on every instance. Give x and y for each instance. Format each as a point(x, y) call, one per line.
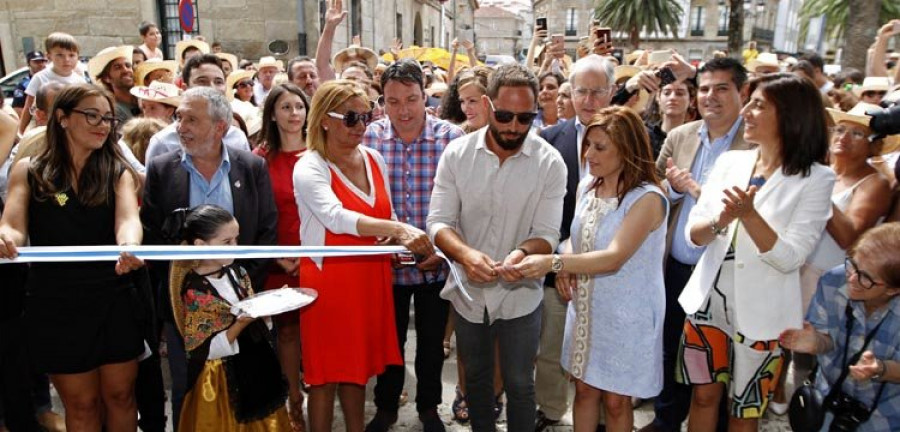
point(351, 118)
point(502, 116)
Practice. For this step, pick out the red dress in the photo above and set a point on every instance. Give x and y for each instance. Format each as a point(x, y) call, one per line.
point(348, 334)
point(281, 170)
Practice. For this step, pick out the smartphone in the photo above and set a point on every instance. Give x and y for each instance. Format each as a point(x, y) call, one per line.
point(659, 57)
point(603, 34)
point(463, 36)
point(541, 23)
point(896, 29)
point(557, 39)
point(665, 76)
point(557, 42)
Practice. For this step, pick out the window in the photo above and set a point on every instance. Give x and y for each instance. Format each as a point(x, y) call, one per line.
point(723, 20)
point(323, 7)
point(400, 26)
point(571, 22)
point(170, 27)
point(698, 18)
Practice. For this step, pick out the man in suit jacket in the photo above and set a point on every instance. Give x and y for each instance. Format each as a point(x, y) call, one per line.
point(687, 157)
point(204, 171)
point(592, 88)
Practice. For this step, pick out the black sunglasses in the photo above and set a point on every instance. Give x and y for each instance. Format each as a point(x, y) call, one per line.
point(352, 118)
point(244, 83)
point(525, 118)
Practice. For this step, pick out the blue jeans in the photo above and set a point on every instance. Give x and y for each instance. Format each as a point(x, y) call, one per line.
point(518, 339)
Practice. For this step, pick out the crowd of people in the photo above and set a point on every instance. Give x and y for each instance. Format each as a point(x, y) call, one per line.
point(647, 230)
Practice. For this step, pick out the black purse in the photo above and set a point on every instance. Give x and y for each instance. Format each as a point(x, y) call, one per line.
point(806, 411)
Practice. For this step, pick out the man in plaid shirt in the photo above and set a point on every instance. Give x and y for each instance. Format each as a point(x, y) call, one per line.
point(412, 142)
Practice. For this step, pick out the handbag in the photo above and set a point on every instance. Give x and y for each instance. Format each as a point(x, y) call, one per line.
point(806, 411)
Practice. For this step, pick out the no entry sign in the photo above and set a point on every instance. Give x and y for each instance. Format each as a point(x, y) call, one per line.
point(186, 15)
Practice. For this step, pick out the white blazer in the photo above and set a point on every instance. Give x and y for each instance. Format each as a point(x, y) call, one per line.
point(766, 285)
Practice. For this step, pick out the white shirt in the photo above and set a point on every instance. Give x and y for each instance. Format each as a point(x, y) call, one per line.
point(167, 140)
point(320, 209)
point(495, 208)
point(260, 93)
point(47, 75)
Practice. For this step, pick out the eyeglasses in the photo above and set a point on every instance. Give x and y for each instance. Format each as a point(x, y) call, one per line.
point(502, 116)
point(854, 133)
point(582, 92)
point(865, 280)
point(352, 118)
point(245, 83)
point(95, 119)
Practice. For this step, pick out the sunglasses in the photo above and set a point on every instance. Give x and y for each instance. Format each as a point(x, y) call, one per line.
point(865, 280)
point(243, 84)
point(525, 118)
point(352, 118)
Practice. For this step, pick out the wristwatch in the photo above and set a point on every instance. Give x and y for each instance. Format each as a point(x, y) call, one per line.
point(556, 264)
point(715, 228)
point(880, 372)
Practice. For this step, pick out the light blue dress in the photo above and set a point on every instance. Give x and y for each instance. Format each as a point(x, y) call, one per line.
point(613, 336)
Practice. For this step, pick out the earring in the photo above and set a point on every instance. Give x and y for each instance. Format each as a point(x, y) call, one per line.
point(323, 127)
point(64, 125)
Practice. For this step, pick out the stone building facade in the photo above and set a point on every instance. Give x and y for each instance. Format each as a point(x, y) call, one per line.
point(243, 27)
point(703, 28)
point(498, 31)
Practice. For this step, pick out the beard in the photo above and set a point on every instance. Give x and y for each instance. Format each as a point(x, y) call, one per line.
point(507, 144)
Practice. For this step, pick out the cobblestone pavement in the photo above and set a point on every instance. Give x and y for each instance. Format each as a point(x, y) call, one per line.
point(409, 422)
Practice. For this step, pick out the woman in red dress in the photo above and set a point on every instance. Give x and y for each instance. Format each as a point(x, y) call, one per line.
point(282, 142)
point(342, 193)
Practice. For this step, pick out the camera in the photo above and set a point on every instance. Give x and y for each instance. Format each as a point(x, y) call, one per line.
point(887, 120)
point(665, 76)
point(848, 412)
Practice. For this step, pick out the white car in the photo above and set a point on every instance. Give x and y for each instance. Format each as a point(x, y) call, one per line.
point(8, 84)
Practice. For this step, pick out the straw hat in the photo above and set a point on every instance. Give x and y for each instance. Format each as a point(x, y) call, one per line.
point(177, 272)
point(158, 91)
point(105, 56)
point(625, 71)
point(235, 77)
point(354, 53)
point(856, 115)
point(144, 69)
point(891, 144)
point(873, 84)
point(230, 58)
point(183, 45)
point(269, 61)
point(632, 57)
point(765, 59)
point(251, 115)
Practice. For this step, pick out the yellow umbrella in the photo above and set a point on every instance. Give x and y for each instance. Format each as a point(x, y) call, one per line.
point(438, 56)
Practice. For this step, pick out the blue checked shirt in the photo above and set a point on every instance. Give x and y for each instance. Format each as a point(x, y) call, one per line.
point(411, 168)
point(826, 314)
point(707, 154)
point(216, 191)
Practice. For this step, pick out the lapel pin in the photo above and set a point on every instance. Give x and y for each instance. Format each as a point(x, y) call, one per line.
point(237, 184)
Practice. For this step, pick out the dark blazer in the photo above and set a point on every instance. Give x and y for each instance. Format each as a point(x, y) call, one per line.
point(167, 188)
point(564, 138)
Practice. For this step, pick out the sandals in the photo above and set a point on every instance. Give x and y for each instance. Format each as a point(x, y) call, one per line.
point(460, 408)
point(295, 412)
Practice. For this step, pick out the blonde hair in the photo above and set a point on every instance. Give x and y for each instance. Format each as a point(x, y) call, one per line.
point(137, 133)
point(328, 97)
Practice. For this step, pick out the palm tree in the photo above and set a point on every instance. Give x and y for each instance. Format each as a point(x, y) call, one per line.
point(735, 28)
point(855, 21)
point(634, 16)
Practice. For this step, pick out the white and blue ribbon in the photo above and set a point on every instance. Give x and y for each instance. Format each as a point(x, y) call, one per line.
point(29, 254)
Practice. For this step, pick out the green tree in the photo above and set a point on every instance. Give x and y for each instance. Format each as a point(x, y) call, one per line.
point(634, 16)
point(853, 21)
